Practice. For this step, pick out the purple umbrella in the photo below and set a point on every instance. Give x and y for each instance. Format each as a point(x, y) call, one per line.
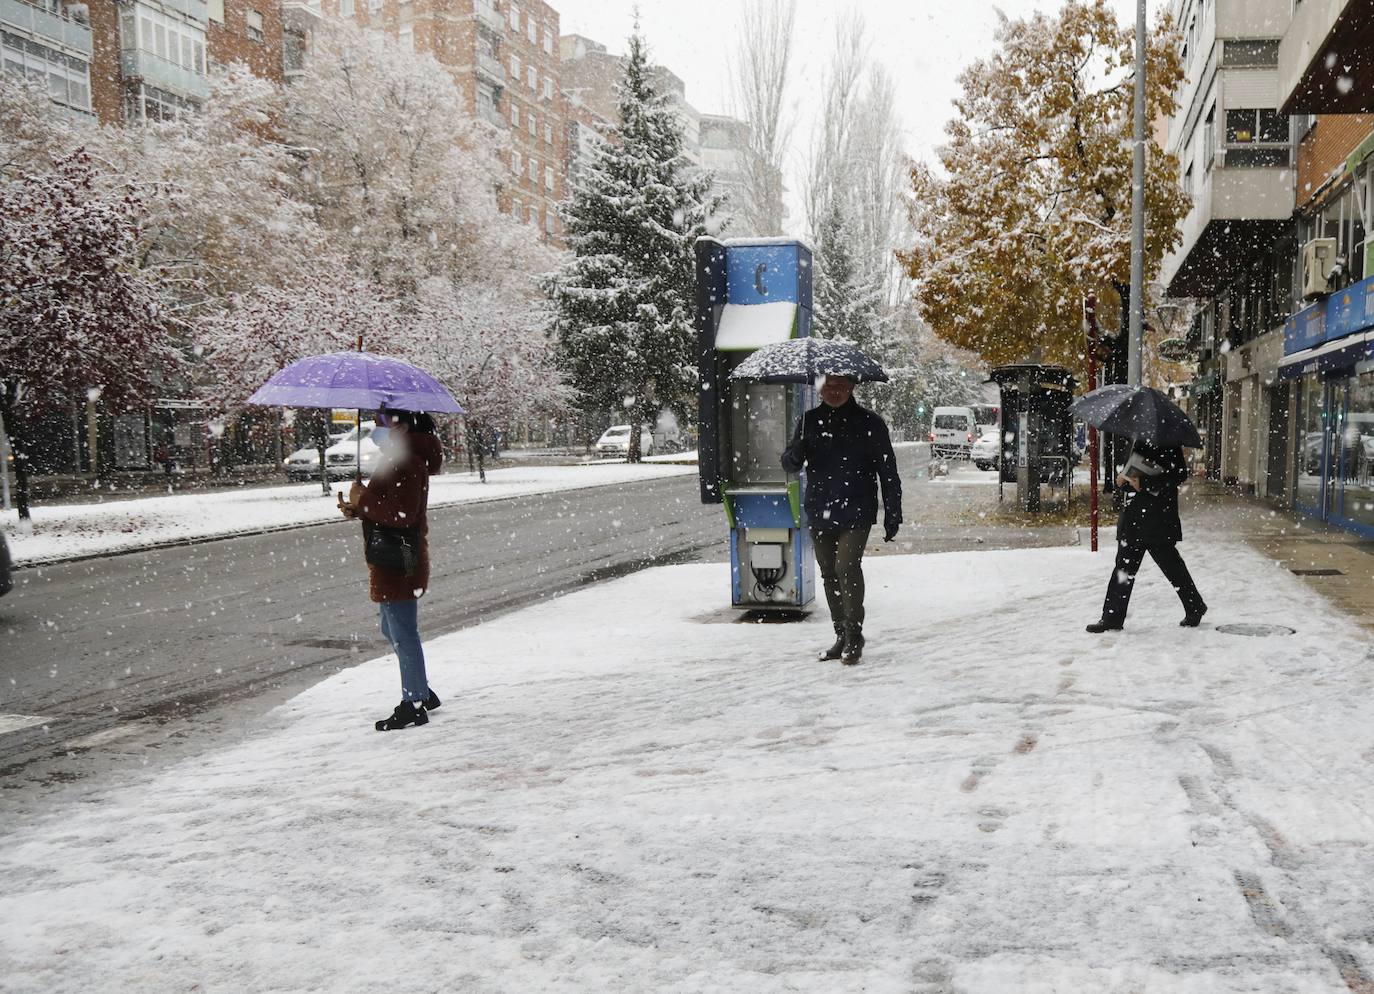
point(359, 380)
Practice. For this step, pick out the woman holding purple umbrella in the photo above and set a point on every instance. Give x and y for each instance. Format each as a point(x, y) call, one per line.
point(396, 498)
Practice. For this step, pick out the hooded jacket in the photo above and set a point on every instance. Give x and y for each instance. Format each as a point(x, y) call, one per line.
point(397, 496)
point(847, 452)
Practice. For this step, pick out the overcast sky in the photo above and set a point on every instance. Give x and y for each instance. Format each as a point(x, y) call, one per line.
point(923, 43)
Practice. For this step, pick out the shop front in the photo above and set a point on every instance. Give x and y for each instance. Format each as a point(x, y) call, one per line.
point(1330, 357)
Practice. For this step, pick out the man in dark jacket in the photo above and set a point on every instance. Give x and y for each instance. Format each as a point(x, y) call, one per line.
point(1149, 524)
point(846, 452)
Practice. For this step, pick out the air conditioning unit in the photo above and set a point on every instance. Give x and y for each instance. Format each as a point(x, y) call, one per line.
point(1318, 256)
point(79, 12)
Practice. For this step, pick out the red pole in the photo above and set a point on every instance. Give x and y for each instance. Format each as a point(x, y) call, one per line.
point(1090, 313)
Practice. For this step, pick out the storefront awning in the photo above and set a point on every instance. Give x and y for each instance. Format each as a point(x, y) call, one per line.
point(1328, 358)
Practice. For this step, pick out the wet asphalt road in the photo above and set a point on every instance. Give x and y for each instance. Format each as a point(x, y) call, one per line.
point(153, 644)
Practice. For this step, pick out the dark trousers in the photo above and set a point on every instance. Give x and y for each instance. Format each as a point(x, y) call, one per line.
point(1129, 556)
point(839, 554)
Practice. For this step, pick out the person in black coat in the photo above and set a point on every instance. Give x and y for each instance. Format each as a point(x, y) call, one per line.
point(1149, 524)
point(847, 452)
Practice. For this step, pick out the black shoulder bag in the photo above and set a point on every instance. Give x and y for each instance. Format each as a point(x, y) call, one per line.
point(393, 548)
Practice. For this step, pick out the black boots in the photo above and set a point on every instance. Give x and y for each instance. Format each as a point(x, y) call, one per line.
point(836, 650)
point(432, 702)
point(1098, 627)
point(1193, 618)
point(853, 645)
point(407, 713)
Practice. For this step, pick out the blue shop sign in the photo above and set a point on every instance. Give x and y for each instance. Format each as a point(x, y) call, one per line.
point(1343, 313)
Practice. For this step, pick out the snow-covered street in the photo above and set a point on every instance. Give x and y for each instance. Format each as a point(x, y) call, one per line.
point(64, 531)
point(627, 791)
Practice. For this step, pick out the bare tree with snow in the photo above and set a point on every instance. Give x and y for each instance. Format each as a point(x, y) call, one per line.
point(762, 71)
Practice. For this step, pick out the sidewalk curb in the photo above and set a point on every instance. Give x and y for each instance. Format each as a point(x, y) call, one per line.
point(174, 543)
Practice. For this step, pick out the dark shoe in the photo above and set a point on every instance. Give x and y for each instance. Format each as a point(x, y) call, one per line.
point(1098, 627)
point(407, 713)
point(836, 650)
point(432, 702)
point(1192, 620)
point(853, 645)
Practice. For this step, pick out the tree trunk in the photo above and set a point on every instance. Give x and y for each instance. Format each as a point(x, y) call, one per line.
point(19, 448)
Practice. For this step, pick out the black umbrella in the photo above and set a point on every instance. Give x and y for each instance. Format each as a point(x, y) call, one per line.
point(1143, 413)
point(805, 360)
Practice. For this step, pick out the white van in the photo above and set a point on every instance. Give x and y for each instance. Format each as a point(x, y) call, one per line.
point(953, 431)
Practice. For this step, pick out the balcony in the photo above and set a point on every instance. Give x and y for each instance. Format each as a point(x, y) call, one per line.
point(39, 23)
point(1237, 211)
point(304, 15)
point(154, 71)
point(196, 10)
point(489, 68)
point(486, 15)
point(1307, 85)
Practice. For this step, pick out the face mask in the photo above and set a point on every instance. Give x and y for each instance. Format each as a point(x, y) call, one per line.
point(380, 434)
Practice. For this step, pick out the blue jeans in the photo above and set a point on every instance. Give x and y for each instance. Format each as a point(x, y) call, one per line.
point(401, 626)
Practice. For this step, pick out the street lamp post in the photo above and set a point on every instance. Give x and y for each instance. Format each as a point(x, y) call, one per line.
point(1133, 342)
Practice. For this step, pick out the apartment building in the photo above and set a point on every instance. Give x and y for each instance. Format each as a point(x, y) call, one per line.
point(1235, 149)
point(1326, 73)
point(502, 54)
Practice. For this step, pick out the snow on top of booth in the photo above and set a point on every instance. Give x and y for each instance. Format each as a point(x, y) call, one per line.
point(751, 326)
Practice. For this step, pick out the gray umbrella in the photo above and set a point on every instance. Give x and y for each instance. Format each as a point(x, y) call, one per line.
point(1143, 413)
point(805, 360)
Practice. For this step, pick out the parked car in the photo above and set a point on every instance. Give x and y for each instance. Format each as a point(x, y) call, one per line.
point(615, 441)
point(340, 458)
point(952, 431)
point(985, 451)
point(6, 581)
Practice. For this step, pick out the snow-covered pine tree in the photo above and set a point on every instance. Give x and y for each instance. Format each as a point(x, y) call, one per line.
point(622, 305)
point(845, 304)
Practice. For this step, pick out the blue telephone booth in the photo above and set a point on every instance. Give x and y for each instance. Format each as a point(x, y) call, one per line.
point(751, 293)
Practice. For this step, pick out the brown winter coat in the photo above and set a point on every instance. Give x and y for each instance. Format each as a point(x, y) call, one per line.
point(398, 497)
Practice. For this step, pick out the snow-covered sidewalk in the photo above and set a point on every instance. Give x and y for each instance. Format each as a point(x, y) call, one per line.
point(625, 791)
point(64, 531)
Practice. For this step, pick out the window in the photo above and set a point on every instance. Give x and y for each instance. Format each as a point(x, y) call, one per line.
point(374, 7)
point(1209, 138)
point(1262, 137)
point(515, 163)
point(531, 31)
point(1188, 180)
point(534, 131)
point(514, 19)
point(347, 8)
point(548, 41)
point(515, 67)
point(531, 76)
point(548, 88)
point(405, 37)
point(67, 77)
point(548, 177)
point(514, 114)
point(255, 25)
point(548, 133)
point(534, 170)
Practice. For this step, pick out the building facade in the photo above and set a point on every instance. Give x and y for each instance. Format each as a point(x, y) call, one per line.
point(1235, 149)
point(1326, 68)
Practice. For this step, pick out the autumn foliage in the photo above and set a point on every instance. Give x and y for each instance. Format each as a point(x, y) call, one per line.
point(1029, 207)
